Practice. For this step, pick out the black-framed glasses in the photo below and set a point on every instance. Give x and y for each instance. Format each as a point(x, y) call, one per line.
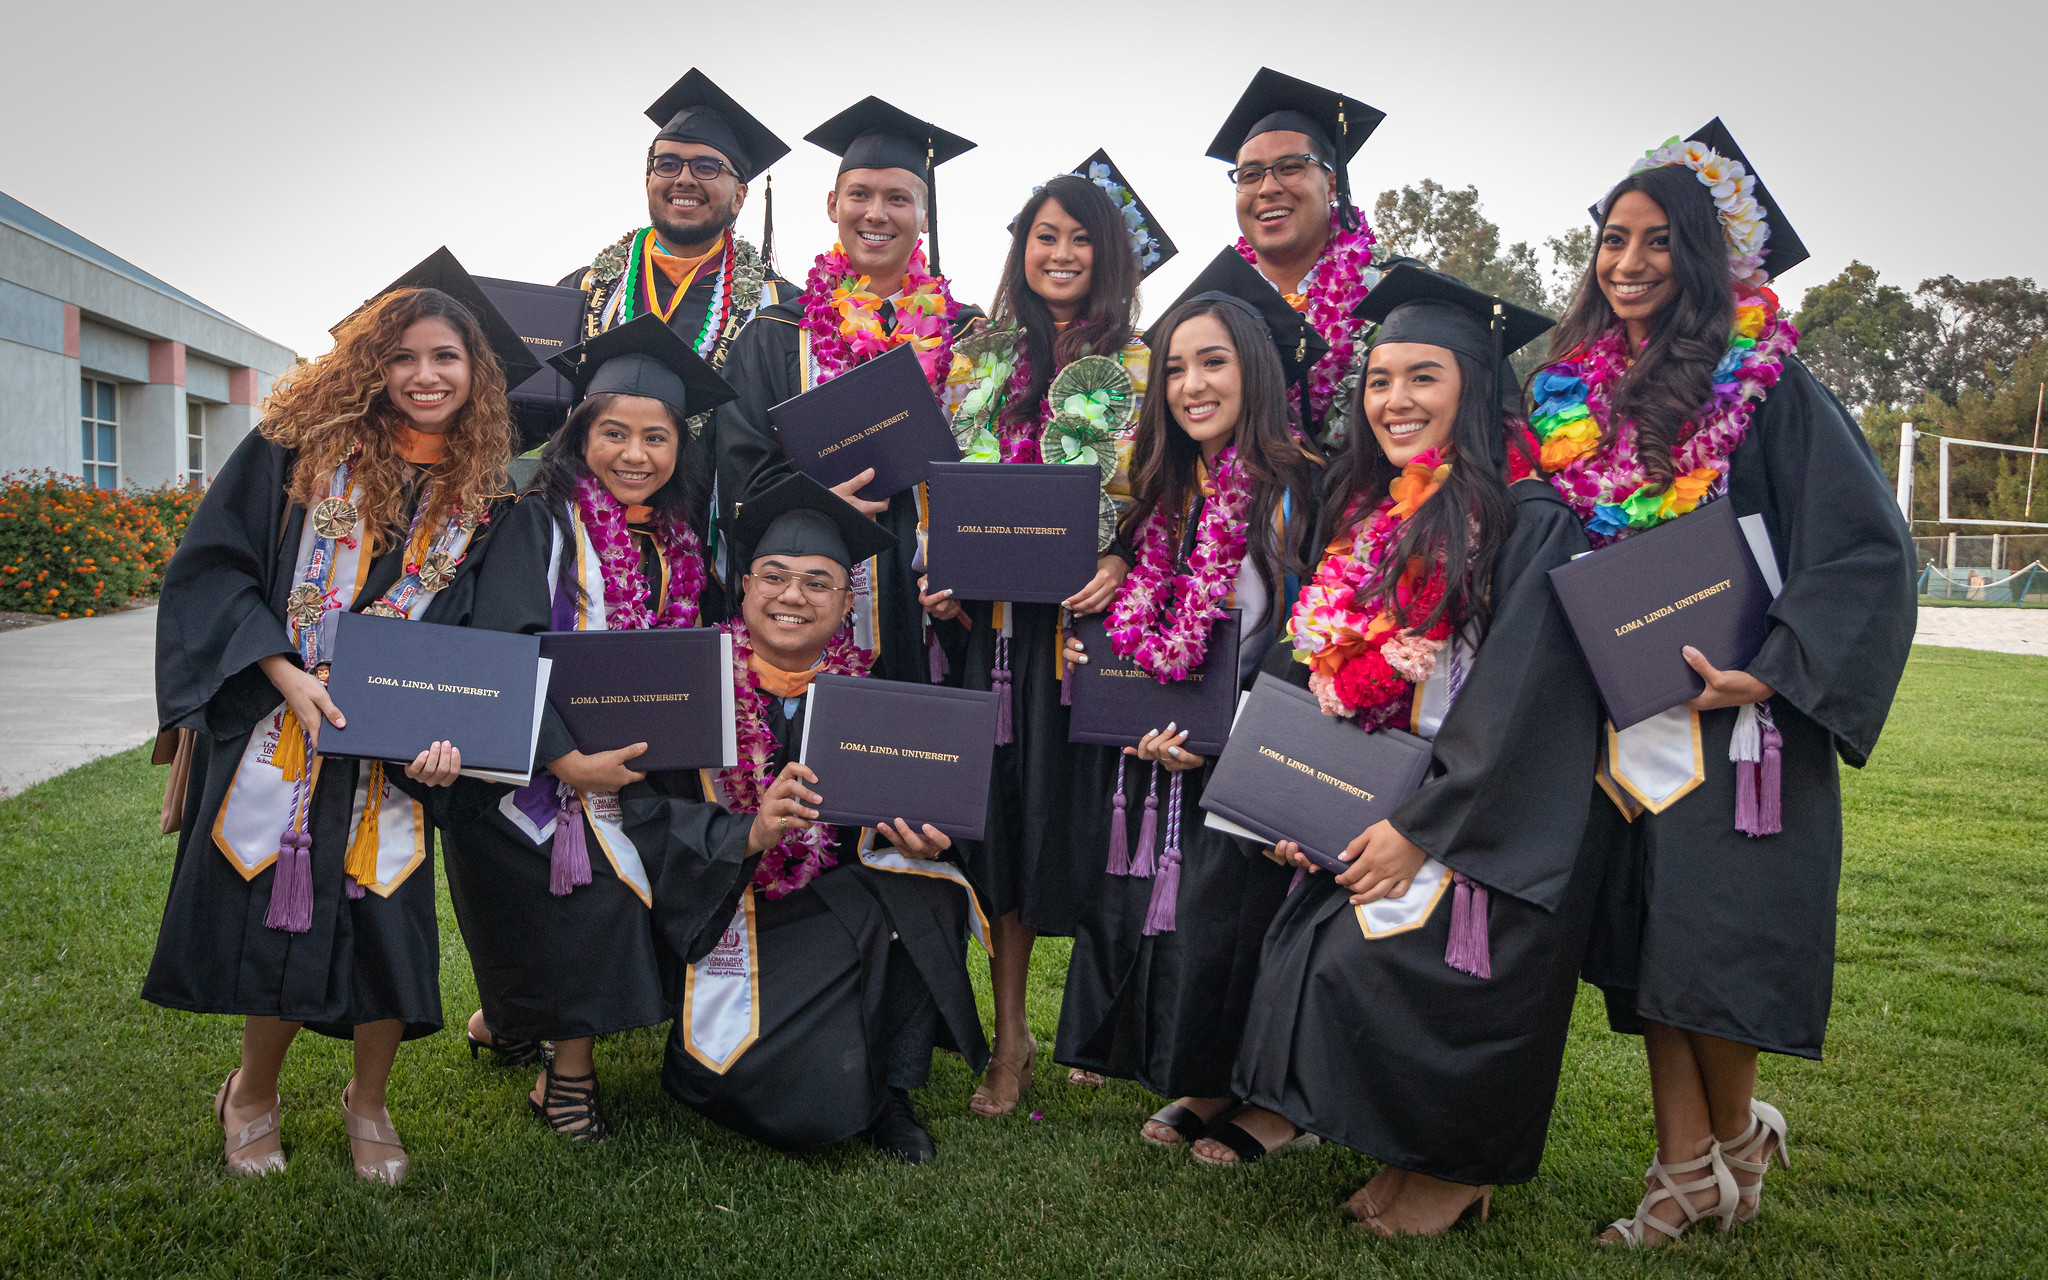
point(1288, 169)
point(702, 168)
point(772, 585)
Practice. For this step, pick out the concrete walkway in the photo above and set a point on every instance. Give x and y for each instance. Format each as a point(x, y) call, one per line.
point(1999, 630)
point(71, 692)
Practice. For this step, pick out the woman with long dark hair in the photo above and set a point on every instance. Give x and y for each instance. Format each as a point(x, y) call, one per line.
point(556, 901)
point(1674, 384)
point(1063, 319)
point(1222, 492)
point(303, 894)
point(1414, 1006)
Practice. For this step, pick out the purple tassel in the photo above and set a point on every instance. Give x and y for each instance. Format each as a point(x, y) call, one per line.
point(1745, 797)
point(291, 890)
point(1161, 912)
point(1067, 686)
point(1000, 679)
point(1769, 808)
point(1148, 831)
point(936, 653)
point(350, 888)
point(1469, 951)
point(569, 863)
point(1119, 837)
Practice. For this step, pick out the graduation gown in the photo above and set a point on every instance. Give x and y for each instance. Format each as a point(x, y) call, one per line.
point(1167, 1010)
point(814, 1004)
point(1371, 1040)
point(1702, 927)
point(364, 959)
point(589, 962)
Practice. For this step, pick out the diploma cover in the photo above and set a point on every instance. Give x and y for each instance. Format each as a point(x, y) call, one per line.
point(548, 318)
point(887, 749)
point(1021, 532)
point(403, 686)
point(1634, 605)
point(670, 688)
point(1117, 702)
point(1293, 773)
point(881, 414)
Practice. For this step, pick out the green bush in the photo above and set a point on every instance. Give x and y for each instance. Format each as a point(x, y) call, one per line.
point(74, 551)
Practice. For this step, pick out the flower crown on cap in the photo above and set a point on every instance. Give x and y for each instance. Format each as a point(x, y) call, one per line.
point(1144, 242)
point(1733, 188)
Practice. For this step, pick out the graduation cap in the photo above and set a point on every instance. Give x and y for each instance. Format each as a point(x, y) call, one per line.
point(1148, 239)
point(696, 110)
point(1230, 279)
point(1336, 126)
point(1413, 303)
point(440, 271)
point(872, 134)
point(644, 357)
point(1783, 249)
point(797, 516)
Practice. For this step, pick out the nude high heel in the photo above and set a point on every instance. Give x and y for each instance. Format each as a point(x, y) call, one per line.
point(984, 1103)
point(253, 1166)
point(391, 1169)
point(1635, 1231)
point(1752, 1152)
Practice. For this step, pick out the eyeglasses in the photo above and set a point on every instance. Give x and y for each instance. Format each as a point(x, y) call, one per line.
point(772, 585)
point(702, 168)
point(1288, 169)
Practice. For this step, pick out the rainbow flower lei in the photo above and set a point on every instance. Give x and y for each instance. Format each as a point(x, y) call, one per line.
point(843, 314)
point(1608, 487)
point(625, 587)
point(1336, 284)
point(1138, 623)
point(799, 856)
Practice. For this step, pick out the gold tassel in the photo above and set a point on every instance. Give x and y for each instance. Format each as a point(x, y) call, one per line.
point(290, 756)
point(362, 851)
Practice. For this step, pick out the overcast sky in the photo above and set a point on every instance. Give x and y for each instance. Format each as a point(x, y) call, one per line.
point(280, 162)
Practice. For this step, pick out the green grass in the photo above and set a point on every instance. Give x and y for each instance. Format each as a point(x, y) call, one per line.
point(1917, 1145)
point(1946, 602)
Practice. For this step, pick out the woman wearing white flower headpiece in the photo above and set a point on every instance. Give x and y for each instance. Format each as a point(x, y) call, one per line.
point(1057, 377)
point(1674, 385)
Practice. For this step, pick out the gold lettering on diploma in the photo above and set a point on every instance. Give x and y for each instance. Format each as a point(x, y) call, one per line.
point(864, 433)
point(907, 753)
point(1315, 773)
point(619, 699)
point(431, 687)
point(1054, 530)
point(1133, 673)
point(1673, 607)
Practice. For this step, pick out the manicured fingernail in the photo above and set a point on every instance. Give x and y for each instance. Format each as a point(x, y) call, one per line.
point(1173, 751)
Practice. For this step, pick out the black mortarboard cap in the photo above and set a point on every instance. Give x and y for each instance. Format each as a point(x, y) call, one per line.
point(1158, 246)
point(1338, 125)
point(644, 357)
point(797, 516)
point(439, 270)
point(1413, 303)
point(872, 134)
point(696, 110)
point(1229, 278)
point(1783, 249)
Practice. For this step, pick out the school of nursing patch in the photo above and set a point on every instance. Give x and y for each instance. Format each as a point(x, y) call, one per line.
point(721, 1015)
point(1390, 916)
point(1655, 764)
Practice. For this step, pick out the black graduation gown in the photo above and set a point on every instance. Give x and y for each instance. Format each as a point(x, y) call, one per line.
point(1702, 927)
point(763, 370)
point(1166, 1010)
point(1376, 1043)
point(862, 974)
point(586, 963)
point(365, 959)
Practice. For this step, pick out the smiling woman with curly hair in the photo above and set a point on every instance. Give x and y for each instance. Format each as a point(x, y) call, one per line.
point(303, 893)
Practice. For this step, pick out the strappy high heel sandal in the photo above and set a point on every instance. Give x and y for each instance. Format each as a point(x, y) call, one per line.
point(247, 1166)
point(1636, 1231)
point(569, 1105)
point(1752, 1152)
point(984, 1103)
point(510, 1053)
point(390, 1170)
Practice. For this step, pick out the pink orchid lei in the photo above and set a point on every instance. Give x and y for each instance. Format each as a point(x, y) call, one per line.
point(625, 587)
point(1138, 623)
point(1336, 284)
point(800, 856)
point(843, 315)
point(1020, 428)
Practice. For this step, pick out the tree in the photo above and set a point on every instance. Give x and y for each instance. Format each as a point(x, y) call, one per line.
point(1570, 254)
point(1984, 484)
point(1981, 328)
point(1865, 341)
point(1446, 229)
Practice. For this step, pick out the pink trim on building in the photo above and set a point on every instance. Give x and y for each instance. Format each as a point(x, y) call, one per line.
point(242, 386)
point(167, 363)
point(71, 318)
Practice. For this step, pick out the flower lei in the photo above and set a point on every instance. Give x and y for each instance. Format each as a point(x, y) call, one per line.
point(842, 312)
point(1733, 187)
point(1609, 487)
point(1363, 667)
point(625, 587)
point(799, 856)
point(1138, 623)
point(738, 290)
point(1336, 284)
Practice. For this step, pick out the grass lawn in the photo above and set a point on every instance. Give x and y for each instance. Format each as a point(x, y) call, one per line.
point(1917, 1146)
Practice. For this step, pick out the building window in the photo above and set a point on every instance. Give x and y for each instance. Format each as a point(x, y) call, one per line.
point(195, 443)
point(99, 433)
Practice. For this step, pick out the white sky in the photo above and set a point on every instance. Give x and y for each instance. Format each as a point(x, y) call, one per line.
point(280, 162)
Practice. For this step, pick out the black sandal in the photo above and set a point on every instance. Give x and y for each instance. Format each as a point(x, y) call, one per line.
point(512, 1053)
point(1247, 1148)
point(569, 1106)
point(1182, 1120)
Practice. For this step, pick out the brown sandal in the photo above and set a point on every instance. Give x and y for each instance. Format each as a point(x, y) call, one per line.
point(984, 1102)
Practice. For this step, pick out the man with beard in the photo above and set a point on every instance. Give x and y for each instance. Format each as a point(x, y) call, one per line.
point(1290, 143)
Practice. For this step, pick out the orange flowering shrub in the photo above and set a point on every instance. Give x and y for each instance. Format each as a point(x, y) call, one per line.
point(74, 551)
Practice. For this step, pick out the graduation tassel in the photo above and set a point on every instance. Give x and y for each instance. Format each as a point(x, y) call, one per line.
point(360, 867)
point(1161, 912)
point(1148, 831)
point(936, 653)
point(768, 228)
point(1469, 950)
point(1755, 748)
point(1000, 678)
point(569, 862)
point(1770, 809)
point(1059, 659)
point(290, 756)
point(291, 888)
point(1119, 840)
